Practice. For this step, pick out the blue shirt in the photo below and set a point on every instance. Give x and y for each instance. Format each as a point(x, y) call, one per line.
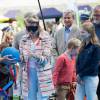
point(66, 34)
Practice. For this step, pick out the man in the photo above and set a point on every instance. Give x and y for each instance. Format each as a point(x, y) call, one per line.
point(64, 34)
point(96, 21)
point(13, 26)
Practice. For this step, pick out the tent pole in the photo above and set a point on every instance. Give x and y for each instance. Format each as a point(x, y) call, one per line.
point(41, 14)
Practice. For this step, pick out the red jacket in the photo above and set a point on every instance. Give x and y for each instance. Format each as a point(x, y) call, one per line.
point(64, 71)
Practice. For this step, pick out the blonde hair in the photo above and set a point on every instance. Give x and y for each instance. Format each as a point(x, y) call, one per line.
point(7, 36)
point(74, 43)
point(3, 45)
point(69, 12)
point(30, 17)
point(89, 27)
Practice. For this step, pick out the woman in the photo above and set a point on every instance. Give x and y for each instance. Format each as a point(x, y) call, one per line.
point(87, 64)
point(8, 69)
point(35, 50)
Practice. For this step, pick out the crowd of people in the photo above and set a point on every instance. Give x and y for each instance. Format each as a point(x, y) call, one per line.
point(64, 60)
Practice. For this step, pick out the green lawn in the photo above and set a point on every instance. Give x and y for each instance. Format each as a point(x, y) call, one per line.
point(16, 98)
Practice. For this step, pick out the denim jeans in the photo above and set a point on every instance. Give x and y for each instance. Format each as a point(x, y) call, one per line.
point(88, 87)
point(34, 92)
point(34, 89)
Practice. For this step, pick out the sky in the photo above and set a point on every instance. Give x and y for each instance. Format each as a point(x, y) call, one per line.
point(13, 3)
point(59, 4)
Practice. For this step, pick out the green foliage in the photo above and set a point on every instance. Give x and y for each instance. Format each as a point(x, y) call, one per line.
point(20, 21)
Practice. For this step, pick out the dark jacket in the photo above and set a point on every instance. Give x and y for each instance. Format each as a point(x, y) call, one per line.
point(97, 29)
point(88, 61)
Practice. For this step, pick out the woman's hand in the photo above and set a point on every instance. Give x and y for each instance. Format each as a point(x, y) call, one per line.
point(7, 58)
point(79, 80)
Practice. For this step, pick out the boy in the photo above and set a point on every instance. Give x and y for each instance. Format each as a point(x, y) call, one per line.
point(64, 72)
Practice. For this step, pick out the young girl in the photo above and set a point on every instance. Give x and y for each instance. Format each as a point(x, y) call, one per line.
point(87, 64)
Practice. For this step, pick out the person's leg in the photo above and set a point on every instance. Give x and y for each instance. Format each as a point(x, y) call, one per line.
point(98, 88)
point(25, 98)
point(2, 95)
point(91, 84)
point(21, 80)
point(39, 95)
point(62, 92)
point(80, 92)
point(33, 84)
point(18, 90)
point(10, 92)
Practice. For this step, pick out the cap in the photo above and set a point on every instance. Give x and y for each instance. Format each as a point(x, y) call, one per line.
point(84, 17)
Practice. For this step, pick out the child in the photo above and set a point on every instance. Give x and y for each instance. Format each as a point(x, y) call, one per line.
point(87, 64)
point(8, 71)
point(64, 72)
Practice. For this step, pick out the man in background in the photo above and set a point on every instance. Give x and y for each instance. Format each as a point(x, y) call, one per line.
point(68, 31)
point(96, 21)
